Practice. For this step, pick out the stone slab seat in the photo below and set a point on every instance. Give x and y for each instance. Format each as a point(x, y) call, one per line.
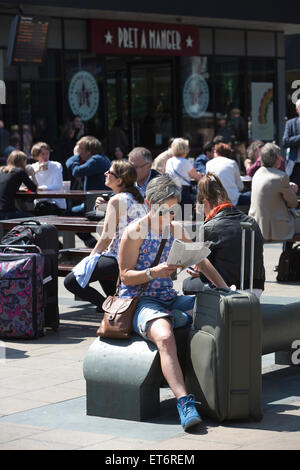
point(280, 326)
point(123, 377)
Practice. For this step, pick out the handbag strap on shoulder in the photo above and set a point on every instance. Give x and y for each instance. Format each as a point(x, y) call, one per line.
point(155, 262)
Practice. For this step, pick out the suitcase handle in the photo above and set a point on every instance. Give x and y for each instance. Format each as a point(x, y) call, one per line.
point(247, 226)
point(30, 222)
point(21, 248)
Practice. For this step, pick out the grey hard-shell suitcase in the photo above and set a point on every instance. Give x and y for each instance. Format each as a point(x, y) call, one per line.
point(223, 368)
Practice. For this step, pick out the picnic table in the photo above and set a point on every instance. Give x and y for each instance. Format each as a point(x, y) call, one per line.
point(67, 225)
point(88, 197)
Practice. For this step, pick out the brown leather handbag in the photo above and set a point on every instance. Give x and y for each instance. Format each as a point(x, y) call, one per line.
point(119, 311)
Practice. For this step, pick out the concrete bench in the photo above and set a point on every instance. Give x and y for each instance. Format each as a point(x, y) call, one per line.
point(123, 377)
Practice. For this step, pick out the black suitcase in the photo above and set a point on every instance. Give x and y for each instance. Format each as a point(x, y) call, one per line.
point(223, 368)
point(45, 236)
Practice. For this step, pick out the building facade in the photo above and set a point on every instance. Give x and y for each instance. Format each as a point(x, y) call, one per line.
point(160, 74)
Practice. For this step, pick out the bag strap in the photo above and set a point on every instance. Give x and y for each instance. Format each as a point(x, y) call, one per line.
point(184, 179)
point(155, 262)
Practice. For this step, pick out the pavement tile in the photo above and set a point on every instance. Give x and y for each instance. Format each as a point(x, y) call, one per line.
point(183, 443)
point(71, 437)
point(12, 431)
point(52, 394)
point(32, 444)
point(11, 405)
point(31, 381)
point(121, 444)
point(281, 441)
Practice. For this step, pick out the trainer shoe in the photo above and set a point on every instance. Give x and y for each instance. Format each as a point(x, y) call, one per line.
point(187, 412)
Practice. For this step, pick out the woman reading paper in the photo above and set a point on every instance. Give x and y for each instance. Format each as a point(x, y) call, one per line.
point(160, 308)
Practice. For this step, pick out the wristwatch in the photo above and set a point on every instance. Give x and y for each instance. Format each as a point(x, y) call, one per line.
point(148, 274)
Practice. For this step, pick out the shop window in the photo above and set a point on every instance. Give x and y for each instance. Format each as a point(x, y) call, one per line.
point(230, 96)
point(229, 86)
point(206, 41)
point(84, 91)
point(54, 34)
point(261, 43)
point(197, 113)
point(261, 89)
point(36, 90)
point(230, 42)
point(75, 34)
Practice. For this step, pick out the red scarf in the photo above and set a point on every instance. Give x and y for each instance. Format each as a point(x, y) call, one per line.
point(218, 209)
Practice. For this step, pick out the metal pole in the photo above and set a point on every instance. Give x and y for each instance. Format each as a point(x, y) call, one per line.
point(252, 260)
point(243, 259)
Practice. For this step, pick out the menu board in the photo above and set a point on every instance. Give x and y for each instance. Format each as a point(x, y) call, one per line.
point(28, 40)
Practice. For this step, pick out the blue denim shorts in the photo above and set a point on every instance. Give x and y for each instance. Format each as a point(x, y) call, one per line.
point(149, 309)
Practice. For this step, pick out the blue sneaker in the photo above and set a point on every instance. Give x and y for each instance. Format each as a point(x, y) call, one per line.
point(187, 412)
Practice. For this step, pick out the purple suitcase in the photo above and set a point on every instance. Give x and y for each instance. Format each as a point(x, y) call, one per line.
point(21, 295)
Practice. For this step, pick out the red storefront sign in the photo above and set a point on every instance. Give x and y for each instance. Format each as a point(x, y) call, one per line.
point(125, 37)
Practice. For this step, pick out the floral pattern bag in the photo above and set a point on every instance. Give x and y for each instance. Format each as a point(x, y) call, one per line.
point(21, 295)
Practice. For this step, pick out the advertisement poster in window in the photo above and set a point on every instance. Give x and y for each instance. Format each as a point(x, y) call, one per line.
point(262, 107)
point(83, 95)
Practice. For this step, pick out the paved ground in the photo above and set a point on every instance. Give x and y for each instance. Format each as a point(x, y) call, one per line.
point(42, 395)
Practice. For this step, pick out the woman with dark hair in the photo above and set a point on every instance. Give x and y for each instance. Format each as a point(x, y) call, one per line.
point(12, 176)
point(222, 227)
point(126, 205)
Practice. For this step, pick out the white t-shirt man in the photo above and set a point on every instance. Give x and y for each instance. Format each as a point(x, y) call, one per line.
point(50, 179)
point(228, 172)
point(178, 168)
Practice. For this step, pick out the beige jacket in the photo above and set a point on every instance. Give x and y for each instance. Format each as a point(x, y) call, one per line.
point(271, 195)
point(159, 163)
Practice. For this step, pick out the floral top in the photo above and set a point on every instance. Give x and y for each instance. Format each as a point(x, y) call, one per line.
point(159, 288)
point(133, 210)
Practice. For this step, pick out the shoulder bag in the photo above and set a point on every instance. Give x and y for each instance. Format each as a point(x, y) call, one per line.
point(119, 311)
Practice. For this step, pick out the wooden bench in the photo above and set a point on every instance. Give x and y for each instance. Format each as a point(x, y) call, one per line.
point(69, 257)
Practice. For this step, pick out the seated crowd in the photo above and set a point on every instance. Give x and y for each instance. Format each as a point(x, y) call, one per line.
point(147, 197)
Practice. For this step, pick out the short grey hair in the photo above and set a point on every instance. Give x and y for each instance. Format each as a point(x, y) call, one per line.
point(145, 153)
point(268, 155)
point(162, 188)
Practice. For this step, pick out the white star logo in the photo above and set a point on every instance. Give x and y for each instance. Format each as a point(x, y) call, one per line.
point(189, 41)
point(108, 37)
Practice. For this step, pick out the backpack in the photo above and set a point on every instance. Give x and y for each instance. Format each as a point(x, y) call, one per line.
point(289, 265)
point(19, 235)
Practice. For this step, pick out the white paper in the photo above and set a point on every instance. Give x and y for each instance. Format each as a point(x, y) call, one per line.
point(187, 254)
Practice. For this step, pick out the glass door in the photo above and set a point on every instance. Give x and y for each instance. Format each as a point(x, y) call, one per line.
point(150, 102)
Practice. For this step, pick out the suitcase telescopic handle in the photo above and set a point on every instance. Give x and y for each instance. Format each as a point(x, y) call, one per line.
point(30, 222)
point(21, 248)
point(247, 226)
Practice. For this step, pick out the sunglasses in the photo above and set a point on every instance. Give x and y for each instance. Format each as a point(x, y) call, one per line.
point(165, 210)
point(112, 173)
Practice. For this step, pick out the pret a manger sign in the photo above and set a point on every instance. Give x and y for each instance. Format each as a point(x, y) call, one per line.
point(123, 37)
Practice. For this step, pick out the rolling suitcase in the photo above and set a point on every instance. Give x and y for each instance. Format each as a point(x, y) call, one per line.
point(44, 236)
point(223, 368)
point(21, 293)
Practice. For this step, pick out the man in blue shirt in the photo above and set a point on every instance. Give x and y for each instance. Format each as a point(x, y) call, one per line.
point(90, 164)
point(291, 140)
point(141, 159)
point(203, 158)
